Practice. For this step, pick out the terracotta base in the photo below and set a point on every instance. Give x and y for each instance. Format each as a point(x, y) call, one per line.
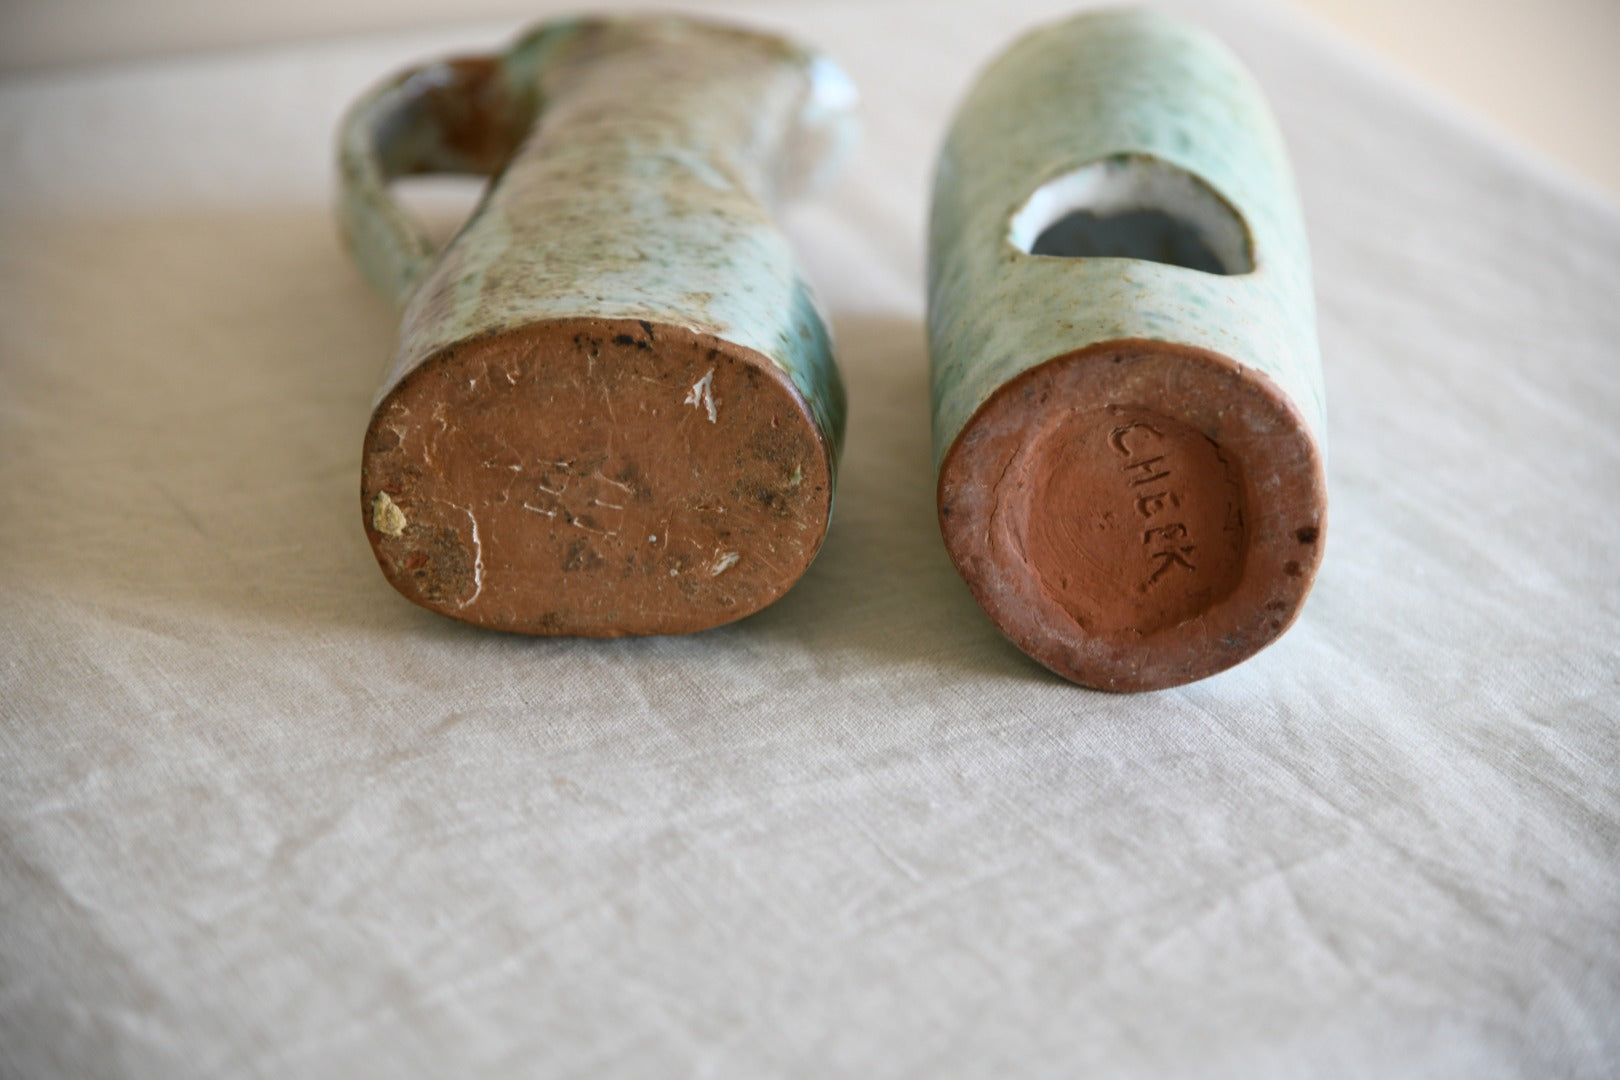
point(595, 477)
point(1137, 514)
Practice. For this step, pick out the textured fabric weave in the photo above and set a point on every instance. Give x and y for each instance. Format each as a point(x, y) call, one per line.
point(261, 817)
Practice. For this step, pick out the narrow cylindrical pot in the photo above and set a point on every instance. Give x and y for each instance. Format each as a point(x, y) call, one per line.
point(613, 409)
point(1128, 413)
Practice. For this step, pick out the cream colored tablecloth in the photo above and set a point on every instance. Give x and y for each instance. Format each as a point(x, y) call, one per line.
point(261, 817)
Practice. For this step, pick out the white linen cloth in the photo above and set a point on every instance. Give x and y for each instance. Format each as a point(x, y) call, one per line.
point(259, 816)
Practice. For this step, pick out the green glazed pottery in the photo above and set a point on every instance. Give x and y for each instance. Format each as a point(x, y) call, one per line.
point(1127, 395)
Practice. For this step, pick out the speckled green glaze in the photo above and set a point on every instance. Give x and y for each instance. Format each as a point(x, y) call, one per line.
point(637, 161)
point(1101, 86)
point(1127, 392)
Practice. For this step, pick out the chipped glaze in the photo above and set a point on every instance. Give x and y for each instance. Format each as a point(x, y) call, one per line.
point(1127, 395)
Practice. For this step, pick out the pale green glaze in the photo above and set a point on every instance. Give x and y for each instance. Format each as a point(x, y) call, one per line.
point(1094, 88)
point(643, 191)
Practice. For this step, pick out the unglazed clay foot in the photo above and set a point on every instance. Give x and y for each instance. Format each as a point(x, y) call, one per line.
point(596, 477)
point(614, 408)
point(1136, 514)
point(1127, 396)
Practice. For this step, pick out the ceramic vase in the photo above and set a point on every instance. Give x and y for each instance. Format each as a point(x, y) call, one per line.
point(1127, 395)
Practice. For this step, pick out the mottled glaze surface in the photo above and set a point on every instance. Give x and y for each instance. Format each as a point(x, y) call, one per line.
point(613, 408)
point(1101, 86)
point(640, 158)
point(1127, 392)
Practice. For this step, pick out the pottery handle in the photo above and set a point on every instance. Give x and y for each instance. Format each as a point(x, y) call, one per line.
point(459, 115)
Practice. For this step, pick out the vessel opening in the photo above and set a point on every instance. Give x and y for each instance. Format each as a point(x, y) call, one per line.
point(1134, 207)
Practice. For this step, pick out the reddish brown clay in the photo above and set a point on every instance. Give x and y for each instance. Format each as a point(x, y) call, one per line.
point(1137, 514)
point(596, 477)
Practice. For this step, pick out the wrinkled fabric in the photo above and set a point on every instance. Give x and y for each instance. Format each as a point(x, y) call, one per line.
point(259, 816)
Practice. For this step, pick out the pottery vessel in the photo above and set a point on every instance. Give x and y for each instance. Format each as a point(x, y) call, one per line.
point(613, 408)
point(1128, 411)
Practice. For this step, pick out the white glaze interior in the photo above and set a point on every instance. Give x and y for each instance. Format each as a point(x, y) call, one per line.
point(1120, 185)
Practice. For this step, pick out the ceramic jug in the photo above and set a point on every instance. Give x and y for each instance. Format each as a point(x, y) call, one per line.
point(613, 408)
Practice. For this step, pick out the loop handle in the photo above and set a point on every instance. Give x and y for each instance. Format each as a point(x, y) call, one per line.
point(460, 116)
